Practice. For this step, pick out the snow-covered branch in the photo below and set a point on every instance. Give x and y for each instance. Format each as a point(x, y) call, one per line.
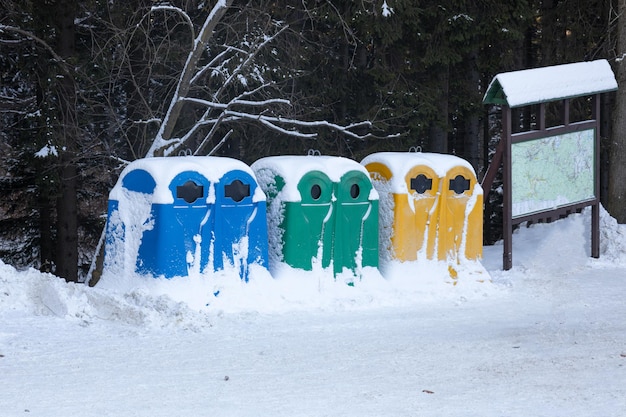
point(181, 12)
point(184, 83)
point(248, 103)
point(294, 133)
point(213, 64)
point(274, 123)
point(147, 121)
point(246, 62)
point(227, 103)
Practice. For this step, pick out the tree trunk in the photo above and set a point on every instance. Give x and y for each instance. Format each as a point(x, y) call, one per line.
point(550, 35)
point(67, 206)
point(438, 133)
point(617, 149)
point(67, 223)
point(471, 138)
point(46, 246)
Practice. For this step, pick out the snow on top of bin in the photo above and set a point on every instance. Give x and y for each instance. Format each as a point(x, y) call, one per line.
point(164, 169)
point(399, 163)
point(540, 85)
point(293, 167)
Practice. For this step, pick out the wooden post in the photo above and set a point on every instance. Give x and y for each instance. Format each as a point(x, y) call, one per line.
point(595, 208)
point(565, 112)
point(507, 210)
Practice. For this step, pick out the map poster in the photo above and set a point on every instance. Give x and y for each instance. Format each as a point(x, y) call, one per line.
point(552, 172)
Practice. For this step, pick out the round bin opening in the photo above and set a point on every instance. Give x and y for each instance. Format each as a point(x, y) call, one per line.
point(459, 184)
point(355, 190)
point(421, 184)
point(190, 191)
point(316, 192)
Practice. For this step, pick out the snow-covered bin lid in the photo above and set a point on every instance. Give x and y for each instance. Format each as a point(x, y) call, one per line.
point(164, 169)
point(400, 163)
point(541, 85)
point(293, 167)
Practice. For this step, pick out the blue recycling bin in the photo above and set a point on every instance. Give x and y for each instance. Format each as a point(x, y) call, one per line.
point(176, 215)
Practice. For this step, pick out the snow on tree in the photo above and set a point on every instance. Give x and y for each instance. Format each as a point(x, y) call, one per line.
point(242, 92)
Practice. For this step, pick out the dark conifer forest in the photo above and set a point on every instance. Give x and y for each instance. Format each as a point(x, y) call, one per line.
point(87, 86)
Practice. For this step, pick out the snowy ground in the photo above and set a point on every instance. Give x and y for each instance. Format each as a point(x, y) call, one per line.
point(547, 338)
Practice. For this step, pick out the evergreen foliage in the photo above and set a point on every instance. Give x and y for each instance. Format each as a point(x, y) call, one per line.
point(417, 69)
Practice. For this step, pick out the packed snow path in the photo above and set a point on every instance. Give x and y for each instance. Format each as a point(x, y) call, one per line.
point(547, 338)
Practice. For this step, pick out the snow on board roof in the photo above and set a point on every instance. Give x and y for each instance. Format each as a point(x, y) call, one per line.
point(400, 163)
point(164, 169)
point(293, 167)
point(540, 85)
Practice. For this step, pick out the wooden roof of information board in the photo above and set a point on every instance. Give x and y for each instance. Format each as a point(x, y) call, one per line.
point(542, 85)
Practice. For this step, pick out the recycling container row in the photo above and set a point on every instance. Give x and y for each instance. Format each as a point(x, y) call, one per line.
point(172, 216)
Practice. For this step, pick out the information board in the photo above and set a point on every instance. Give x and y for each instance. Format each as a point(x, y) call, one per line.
point(552, 172)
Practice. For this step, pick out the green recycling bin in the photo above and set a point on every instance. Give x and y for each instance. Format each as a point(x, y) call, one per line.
point(320, 209)
point(356, 222)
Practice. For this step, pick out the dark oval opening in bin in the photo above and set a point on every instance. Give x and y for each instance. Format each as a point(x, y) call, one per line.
point(355, 190)
point(189, 191)
point(421, 184)
point(316, 191)
point(237, 190)
point(459, 184)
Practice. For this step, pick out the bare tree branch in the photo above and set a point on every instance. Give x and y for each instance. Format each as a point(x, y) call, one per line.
point(274, 122)
point(221, 142)
point(15, 105)
point(249, 103)
point(167, 127)
point(235, 65)
point(213, 64)
point(250, 57)
point(184, 15)
point(38, 40)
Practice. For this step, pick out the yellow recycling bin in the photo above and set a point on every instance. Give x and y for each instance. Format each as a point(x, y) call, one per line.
point(408, 189)
point(461, 213)
point(430, 206)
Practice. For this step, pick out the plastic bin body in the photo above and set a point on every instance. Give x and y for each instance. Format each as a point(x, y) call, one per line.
point(308, 224)
point(461, 216)
point(165, 247)
point(173, 216)
point(415, 209)
point(327, 212)
point(240, 235)
point(356, 223)
point(435, 206)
